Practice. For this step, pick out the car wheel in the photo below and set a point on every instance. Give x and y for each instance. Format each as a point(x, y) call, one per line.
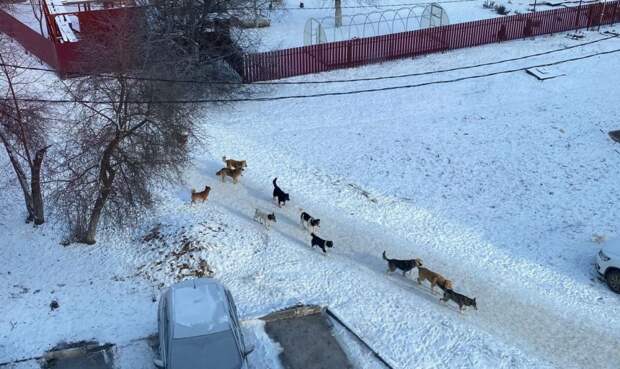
point(613, 280)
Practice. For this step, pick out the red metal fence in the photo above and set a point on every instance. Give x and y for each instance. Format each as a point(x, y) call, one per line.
point(344, 54)
point(34, 42)
point(69, 57)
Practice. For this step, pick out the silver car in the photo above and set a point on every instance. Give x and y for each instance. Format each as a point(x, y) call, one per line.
point(199, 328)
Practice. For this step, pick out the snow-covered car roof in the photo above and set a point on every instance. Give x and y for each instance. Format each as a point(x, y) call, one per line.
point(198, 307)
point(612, 247)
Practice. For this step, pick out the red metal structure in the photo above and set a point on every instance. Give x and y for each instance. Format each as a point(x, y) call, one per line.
point(71, 28)
point(32, 40)
point(67, 48)
point(345, 54)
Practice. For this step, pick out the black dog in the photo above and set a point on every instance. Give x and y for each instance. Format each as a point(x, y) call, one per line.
point(282, 196)
point(318, 241)
point(461, 300)
point(308, 222)
point(405, 265)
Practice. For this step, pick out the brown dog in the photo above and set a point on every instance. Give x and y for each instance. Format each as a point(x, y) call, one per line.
point(201, 196)
point(232, 173)
point(435, 278)
point(234, 164)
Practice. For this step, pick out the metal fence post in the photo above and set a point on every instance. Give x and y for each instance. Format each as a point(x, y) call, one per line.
point(600, 20)
point(349, 52)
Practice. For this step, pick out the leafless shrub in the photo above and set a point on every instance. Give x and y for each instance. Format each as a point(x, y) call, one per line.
point(488, 4)
point(501, 9)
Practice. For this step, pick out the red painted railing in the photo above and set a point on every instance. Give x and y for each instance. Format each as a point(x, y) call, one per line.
point(68, 57)
point(32, 40)
point(344, 54)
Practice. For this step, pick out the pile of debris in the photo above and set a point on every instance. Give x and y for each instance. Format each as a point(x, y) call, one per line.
point(177, 253)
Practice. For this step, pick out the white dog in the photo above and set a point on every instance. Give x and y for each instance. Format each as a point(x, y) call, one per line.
point(264, 218)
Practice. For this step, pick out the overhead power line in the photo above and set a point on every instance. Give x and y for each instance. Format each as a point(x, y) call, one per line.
point(342, 93)
point(333, 81)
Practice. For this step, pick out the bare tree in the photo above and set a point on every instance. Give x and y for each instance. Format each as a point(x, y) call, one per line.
point(7, 4)
point(37, 11)
point(129, 133)
point(22, 131)
point(125, 138)
point(205, 31)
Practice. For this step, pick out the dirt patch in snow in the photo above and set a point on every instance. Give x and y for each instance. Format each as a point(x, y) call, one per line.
point(177, 253)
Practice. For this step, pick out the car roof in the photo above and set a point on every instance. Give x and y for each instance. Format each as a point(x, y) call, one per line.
point(612, 246)
point(198, 307)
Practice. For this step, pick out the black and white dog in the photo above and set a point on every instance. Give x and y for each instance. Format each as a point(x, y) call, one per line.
point(318, 241)
point(282, 196)
point(308, 222)
point(405, 266)
point(264, 218)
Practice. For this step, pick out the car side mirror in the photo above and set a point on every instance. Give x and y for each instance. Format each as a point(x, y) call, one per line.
point(158, 363)
point(248, 350)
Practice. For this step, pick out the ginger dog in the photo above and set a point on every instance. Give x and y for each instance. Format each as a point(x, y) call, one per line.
point(201, 196)
point(234, 164)
point(435, 278)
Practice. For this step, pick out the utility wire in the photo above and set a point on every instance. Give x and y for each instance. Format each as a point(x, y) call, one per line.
point(289, 97)
point(397, 76)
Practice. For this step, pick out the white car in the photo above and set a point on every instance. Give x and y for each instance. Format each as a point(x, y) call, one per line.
point(608, 264)
point(199, 328)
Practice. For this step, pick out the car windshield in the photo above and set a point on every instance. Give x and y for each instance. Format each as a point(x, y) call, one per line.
point(214, 351)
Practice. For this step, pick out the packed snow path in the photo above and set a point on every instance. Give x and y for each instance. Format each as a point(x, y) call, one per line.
point(507, 310)
point(498, 184)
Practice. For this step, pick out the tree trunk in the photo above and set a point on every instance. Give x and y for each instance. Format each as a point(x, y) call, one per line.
point(21, 178)
point(106, 179)
point(95, 216)
point(35, 185)
point(338, 13)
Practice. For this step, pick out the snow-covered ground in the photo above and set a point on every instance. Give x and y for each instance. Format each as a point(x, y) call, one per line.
point(288, 24)
point(497, 183)
point(24, 13)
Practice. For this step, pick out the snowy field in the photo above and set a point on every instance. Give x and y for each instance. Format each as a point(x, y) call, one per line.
point(497, 183)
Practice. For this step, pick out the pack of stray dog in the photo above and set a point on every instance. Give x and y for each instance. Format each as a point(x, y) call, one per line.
point(235, 168)
point(435, 279)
